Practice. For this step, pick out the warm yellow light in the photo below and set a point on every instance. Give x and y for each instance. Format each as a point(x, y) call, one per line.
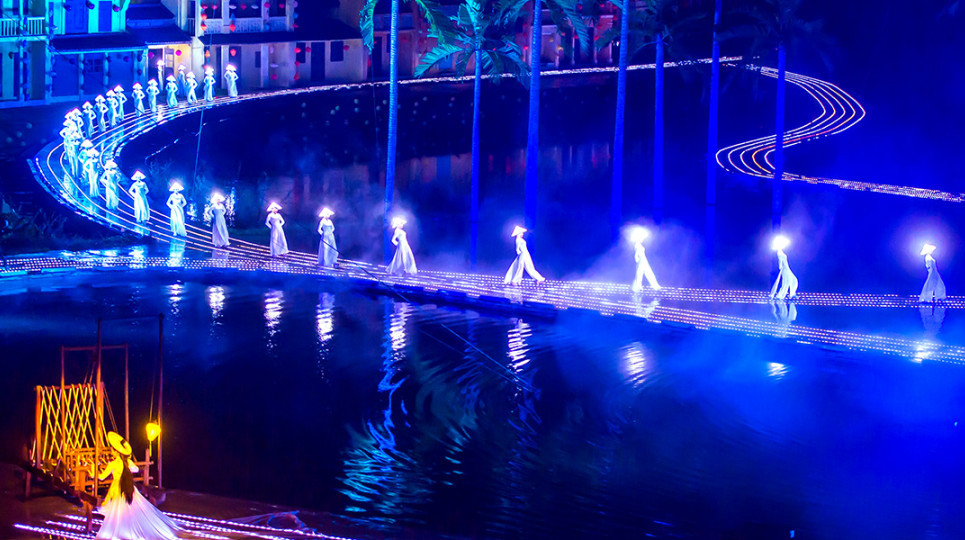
point(153, 431)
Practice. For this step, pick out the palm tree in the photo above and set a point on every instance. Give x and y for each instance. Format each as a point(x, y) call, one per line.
point(367, 28)
point(484, 39)
point(616, 184)
point(714, 106)
point(774, 24)
point(565, 17)
point(654, 25)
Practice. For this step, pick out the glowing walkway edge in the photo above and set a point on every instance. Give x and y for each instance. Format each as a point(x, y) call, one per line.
point(839, 112)
point(50, 168)
point(552, 295)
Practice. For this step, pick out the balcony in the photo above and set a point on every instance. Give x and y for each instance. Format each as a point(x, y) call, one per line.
point(30, 27)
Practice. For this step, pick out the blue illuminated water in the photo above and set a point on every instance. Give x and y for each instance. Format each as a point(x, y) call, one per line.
point(418, 419)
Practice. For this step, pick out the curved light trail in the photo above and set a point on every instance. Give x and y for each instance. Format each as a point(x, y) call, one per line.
point(839, 112)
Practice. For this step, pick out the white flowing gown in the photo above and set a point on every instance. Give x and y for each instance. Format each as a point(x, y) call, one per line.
point(138, 519)
point(523, 263)
point(327, 251)
point(219, 228)
point(279, 245)
point(643, 270)
point(786, 279)
point(403, 262)
point(177, 203)
point(138, 191)
point(934, 286)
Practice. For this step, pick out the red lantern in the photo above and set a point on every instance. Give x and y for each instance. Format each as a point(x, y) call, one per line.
point(232, 27)
point(298, 50)
point(204, 16)
point(297, 77)
point(207, 54)
point(233, 51)
point(204, 27)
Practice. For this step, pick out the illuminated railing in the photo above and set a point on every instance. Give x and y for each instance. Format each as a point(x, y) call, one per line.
point(27, 27)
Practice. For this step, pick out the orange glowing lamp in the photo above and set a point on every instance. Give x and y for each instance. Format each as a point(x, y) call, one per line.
point(153, 431)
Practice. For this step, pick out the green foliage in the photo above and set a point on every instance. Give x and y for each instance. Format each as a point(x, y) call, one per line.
point(476, 32)
point(439, 24)
point(661, 18)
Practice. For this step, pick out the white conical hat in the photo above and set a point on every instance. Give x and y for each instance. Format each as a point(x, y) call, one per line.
point(326, 212)
point(518, 231)
point(138, 175)
point(398, 221)
point(176, 186)
point(216, 197)
point(927, 249)
point(274, 206)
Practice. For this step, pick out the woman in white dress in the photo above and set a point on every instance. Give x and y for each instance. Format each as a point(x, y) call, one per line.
point(279, 245)
point(786, 279)
point(523, 262)
point(109, 180)
point(138, 192)
point(177, 203)
point(934, 288)
point(127, 514)
point(403, 262)
point(327, 251)
point(637, 236)
point(91, 167)
point(219, 228)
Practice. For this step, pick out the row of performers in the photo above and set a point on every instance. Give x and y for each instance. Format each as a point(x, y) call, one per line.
point(403, 262)
point(108, 111)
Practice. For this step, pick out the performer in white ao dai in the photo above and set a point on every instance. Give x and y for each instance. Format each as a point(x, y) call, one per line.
point(327, 251)
point(177, 203)
point(523, 262)
point(638, 235)
point(934, 288)
point(403, 262)
point(785, 286)
point(219, 228)
point(279, 245)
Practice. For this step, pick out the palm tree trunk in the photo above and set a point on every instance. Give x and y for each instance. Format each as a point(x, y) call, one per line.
point(777, 198)
point(393, 121)
point(658, 136)
point(710, 217)
point(474, 186)
point(532, 136)
point(714, 106)
point(616, 186)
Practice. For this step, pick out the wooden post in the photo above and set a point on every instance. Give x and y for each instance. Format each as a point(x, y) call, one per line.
point(160, 395)
point(127, 396)
point(98, 412)
point(62, 408)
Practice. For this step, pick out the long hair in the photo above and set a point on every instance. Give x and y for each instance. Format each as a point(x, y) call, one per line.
point(127, 480)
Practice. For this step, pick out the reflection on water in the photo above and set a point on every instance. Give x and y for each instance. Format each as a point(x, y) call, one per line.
point(174, 297)
point(420, 421)
point(176, 253)
point(635, 366)
point(215, 295)
point(776, 370)
point(325, 327)
point(379, 478)
point(274, 305)
point(932, 318)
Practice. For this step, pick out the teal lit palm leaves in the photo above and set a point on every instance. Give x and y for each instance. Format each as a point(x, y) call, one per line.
point(438, 23)
point(475, 30)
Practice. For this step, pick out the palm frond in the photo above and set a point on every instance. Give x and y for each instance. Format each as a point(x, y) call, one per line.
point(440, 53)
point(367, 23)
